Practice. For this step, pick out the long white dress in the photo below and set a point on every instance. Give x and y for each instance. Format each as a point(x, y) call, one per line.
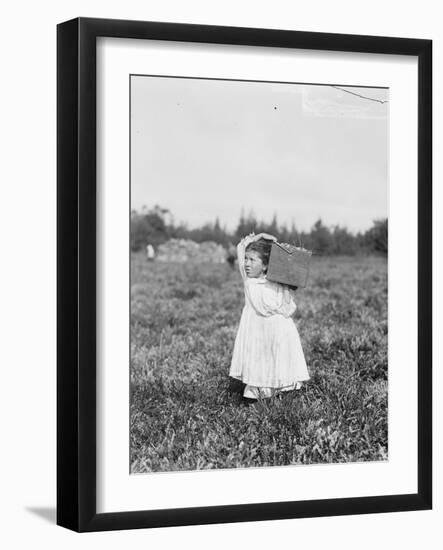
point(268, 356)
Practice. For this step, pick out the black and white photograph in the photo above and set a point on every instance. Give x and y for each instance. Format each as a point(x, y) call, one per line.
point(258, 284)
point(222, 319)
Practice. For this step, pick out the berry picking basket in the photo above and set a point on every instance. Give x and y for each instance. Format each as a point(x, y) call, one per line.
point(289, 264)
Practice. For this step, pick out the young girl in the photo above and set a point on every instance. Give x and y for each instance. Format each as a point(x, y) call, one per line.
point(267, 356)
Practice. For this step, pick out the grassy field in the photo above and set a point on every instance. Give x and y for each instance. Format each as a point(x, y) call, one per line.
point(186, 414)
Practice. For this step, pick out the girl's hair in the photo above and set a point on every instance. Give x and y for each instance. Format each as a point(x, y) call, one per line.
point(263, 249)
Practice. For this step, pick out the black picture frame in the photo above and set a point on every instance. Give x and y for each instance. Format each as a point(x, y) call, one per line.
point(76, 274)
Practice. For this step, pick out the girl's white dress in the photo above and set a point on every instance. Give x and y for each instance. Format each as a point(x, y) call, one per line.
point(268, 355)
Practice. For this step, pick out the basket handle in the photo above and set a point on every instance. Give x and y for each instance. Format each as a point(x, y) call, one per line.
point(282, 247)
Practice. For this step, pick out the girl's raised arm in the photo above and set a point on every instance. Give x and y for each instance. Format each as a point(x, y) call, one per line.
point(241, 249)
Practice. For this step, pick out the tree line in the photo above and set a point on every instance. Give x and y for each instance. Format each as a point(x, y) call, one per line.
point(156, 226)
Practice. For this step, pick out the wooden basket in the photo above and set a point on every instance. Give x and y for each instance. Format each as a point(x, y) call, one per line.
point(289, 264)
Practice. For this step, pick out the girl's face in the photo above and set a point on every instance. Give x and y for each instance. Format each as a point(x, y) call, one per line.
point(254, 265)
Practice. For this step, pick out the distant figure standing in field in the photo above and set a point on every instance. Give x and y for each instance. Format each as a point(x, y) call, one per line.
point(150, 253)
point(268, 356)
point(231, 256)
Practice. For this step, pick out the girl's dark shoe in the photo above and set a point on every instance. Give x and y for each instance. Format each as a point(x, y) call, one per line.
point(247, 401)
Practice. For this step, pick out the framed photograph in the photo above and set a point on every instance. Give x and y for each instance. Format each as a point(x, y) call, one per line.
point(244, 274)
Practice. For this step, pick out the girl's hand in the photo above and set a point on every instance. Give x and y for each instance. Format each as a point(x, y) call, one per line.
point(266, 236)
point(248, 239)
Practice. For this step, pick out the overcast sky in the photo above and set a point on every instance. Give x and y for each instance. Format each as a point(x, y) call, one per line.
point(206, 148)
